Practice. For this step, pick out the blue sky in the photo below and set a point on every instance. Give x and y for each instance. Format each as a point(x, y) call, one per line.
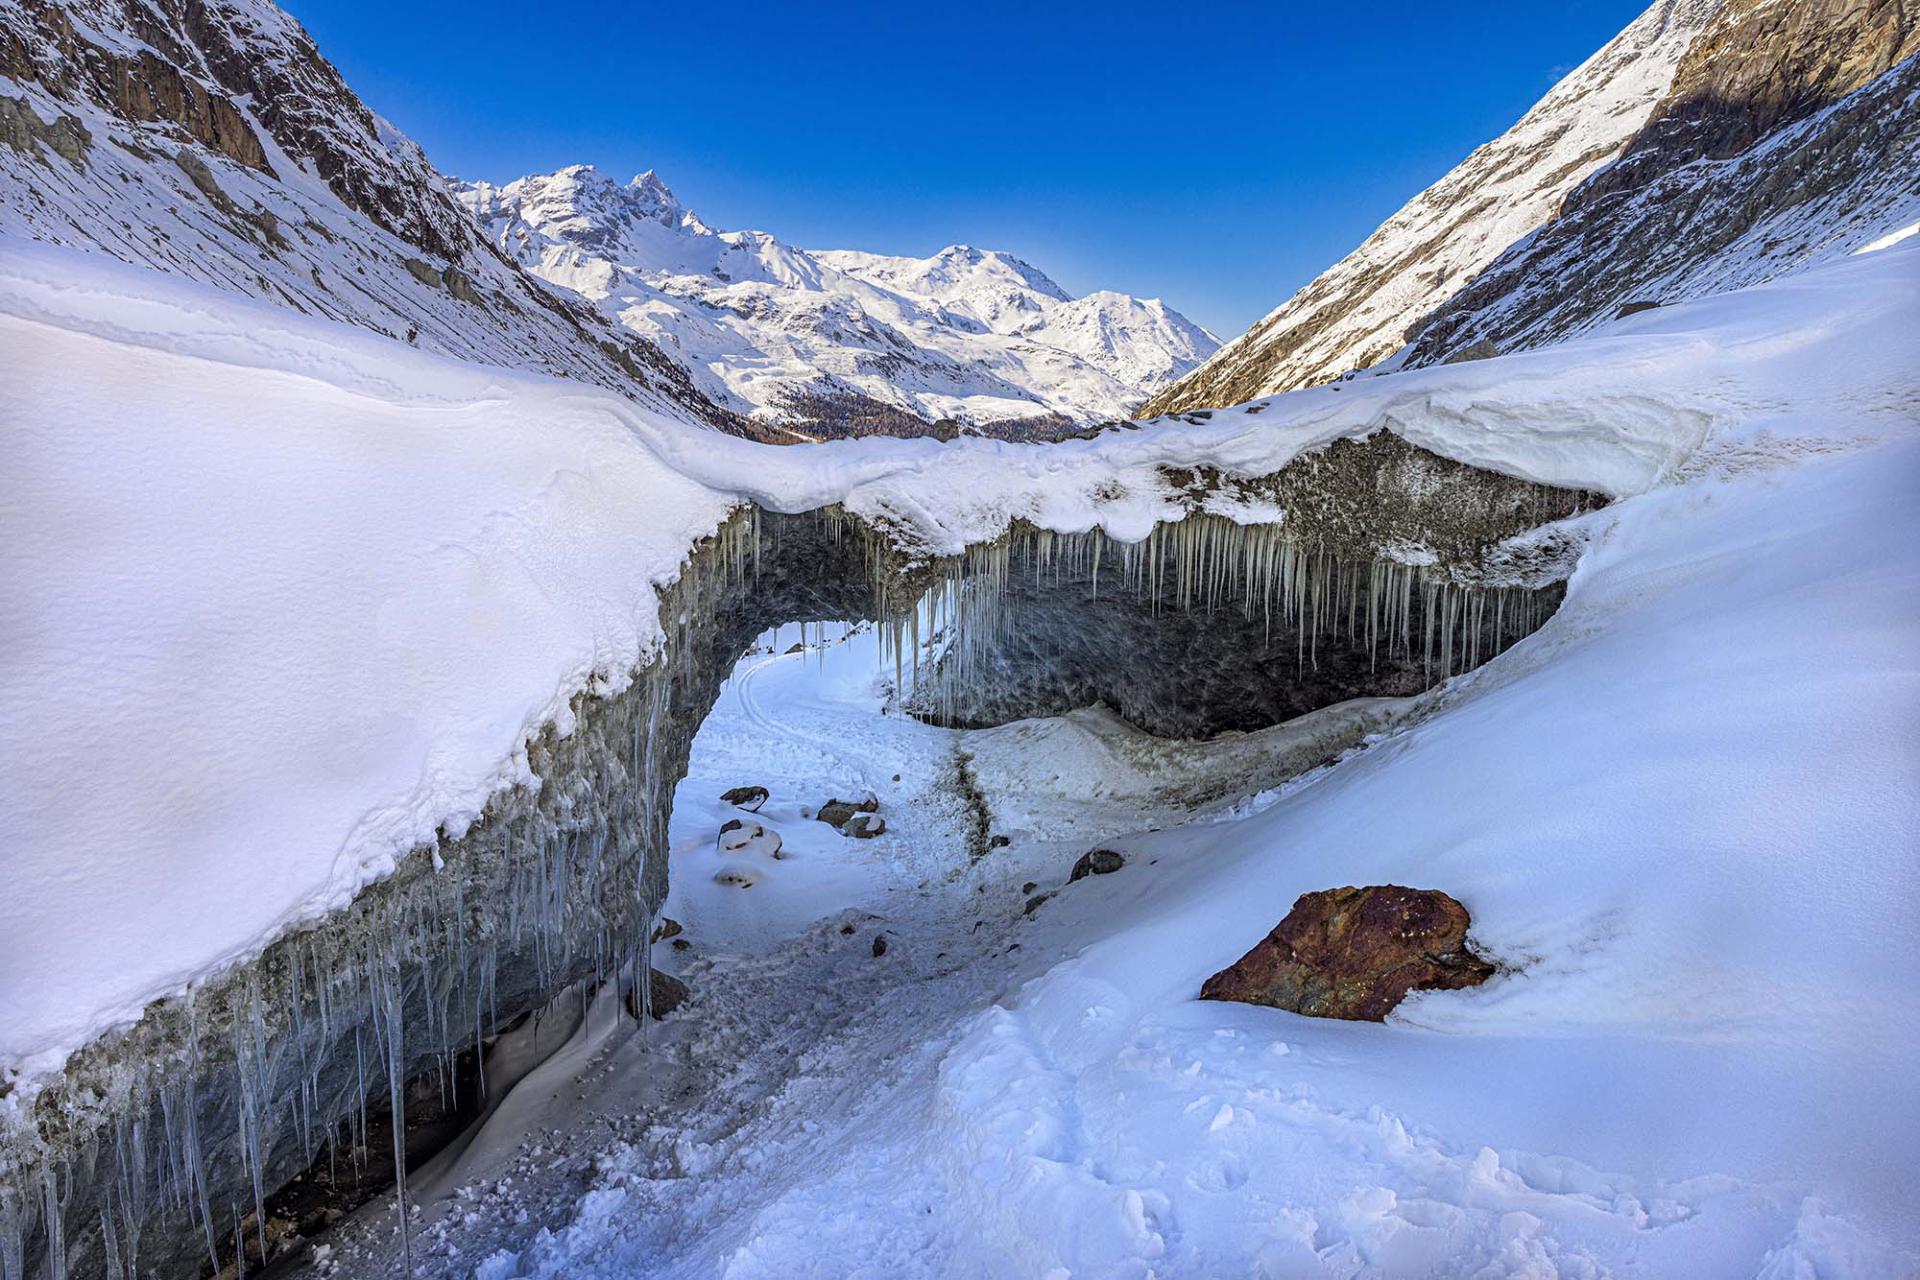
point(1214, 155)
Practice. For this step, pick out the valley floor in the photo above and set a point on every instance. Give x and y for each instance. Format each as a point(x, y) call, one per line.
point(1679, 815)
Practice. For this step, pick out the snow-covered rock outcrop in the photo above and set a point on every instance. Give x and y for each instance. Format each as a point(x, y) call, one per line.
point(839, 342)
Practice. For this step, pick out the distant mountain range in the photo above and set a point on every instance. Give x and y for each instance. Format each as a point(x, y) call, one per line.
point(822, 339)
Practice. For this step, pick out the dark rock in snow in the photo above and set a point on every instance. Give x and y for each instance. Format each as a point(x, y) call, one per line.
point(836, 813)
point(1097, 862)
point(1635, 308)
point(1034, 903)
point(879, 944)
point(665, 993)
point(748, 798)
point(1028, 887)
point(1355, 953)
point(667, 928)
point(864, 826)
point(424, 272)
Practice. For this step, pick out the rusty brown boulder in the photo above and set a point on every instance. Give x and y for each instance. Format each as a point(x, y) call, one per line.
point(1355, 953)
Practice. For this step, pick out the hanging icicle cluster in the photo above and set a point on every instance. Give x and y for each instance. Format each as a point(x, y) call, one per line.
point(1203, 564)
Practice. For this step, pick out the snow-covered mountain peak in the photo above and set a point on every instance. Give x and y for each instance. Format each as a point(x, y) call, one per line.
point(828, 337)
point(960, 266)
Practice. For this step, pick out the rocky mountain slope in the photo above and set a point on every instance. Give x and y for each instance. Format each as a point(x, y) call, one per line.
point(1791, 135)
point(210, 139)
point(828, 341)
point(1358, 311)
point(1713, 144)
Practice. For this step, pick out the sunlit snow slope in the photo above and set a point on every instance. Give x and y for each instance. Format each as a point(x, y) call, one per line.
point(1358, 311)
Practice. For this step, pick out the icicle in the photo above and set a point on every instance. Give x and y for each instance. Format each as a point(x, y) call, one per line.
point(396, 1084)
point(51, 1224)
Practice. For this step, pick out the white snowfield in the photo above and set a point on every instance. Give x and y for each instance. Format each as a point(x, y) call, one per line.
point(967, 333)
point(281, 599)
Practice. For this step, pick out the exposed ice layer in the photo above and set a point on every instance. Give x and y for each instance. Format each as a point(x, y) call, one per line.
point(1204, 626)
point(157, 1147)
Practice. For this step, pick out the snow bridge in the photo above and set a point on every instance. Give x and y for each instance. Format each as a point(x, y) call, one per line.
point(1368, 566)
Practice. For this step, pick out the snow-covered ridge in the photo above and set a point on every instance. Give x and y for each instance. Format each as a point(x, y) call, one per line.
point(1814, 189)
point(214, 141)
point(348, 715)
point(780, 332)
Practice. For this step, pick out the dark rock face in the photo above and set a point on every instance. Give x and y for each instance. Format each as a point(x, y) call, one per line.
point(665, 993)
point(1355, 954)
point(748, 798)
point(1758, 66)
point(22, 129)
point(1481, 350)
point(1097, 862)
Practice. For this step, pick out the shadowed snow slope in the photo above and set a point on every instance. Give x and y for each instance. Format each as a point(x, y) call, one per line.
point(284, 599)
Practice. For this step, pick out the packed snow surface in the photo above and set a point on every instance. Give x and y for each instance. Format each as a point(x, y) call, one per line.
point(284, 599)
